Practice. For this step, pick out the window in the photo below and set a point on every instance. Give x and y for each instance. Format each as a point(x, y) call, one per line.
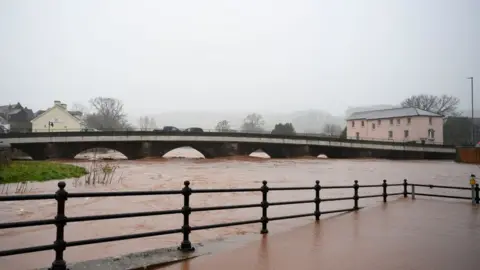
point(373, 126)
point(391, 121)
point(431, 134)
point(406, 133)
point(430, 120)
point(398, 121)
point(353, 123)
point(358, 135)
point(363, 123)
point(409, 120)
point(379, 122)
point(390, 134)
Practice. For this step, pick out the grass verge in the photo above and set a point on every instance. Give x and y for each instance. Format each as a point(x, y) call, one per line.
point(39, 171)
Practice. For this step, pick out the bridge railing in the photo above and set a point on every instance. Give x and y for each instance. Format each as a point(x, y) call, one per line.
point(61, 220)
point(269, 134)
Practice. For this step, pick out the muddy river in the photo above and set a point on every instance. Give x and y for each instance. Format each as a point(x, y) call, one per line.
point(170, 173)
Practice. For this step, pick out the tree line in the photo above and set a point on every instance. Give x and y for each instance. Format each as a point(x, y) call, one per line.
point(254, 122)
point(108, 113)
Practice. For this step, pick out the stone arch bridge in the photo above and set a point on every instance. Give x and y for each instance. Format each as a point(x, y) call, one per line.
point(138, 144)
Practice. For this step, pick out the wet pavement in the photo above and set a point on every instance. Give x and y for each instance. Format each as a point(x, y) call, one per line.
point(405, 234)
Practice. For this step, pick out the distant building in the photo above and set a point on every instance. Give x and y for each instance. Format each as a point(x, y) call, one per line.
point(57, 118)
point(16, 117)
point(399, 124)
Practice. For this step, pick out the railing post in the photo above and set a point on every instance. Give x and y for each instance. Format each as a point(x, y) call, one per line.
point(186, 245)
point(355, 195)
point(317, 200)
point(477, 194)
point(384, 185)
point(264, 205)
point(60, 221)
point(472, 184)
point(413, 192)
point(405, 191)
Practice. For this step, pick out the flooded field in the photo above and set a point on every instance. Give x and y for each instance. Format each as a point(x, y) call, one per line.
point(163, 174)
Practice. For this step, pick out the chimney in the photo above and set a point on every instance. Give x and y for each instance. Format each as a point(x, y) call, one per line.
point(64, 105)
point(56, 102)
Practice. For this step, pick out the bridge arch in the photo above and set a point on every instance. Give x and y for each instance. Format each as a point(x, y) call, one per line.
point(259, 153)
point(100, 153)
point(125, 150)
point(186, 151)
point(19, 152)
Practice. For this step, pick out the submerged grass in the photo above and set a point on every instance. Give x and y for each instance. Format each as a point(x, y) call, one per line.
point(39, 171)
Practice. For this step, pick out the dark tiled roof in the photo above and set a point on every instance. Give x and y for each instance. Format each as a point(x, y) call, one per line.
point(14, 111)
point(75, 113)
point(391, 113)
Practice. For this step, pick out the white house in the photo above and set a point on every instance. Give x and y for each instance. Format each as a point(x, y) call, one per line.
point(57, 118)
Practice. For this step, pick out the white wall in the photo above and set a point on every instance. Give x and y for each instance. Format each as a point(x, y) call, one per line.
point(63, 121)
point(418, 129)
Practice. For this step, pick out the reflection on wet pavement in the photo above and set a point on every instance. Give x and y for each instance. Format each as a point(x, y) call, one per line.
point(404, 234)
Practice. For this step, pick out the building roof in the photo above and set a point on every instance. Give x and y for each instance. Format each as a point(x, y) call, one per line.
point(8, 108)
point(391, 113)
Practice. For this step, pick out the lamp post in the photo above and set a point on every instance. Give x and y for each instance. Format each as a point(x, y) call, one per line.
point(50, 124)
point(473, 123)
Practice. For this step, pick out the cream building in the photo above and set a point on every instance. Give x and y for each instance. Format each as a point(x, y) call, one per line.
point(57, 118)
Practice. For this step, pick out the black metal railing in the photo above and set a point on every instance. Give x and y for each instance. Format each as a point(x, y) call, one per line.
point(474, 189)
point(61, 220)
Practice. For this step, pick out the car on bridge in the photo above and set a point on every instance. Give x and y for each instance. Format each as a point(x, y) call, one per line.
point(194, 129)
point(168, 129)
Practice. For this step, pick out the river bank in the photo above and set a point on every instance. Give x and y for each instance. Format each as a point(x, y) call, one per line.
point(38, 171)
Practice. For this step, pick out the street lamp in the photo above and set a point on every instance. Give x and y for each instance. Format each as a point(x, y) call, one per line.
point(473, 123)
point(50, 124)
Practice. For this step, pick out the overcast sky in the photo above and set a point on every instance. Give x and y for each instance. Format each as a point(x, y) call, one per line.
point(248, 55)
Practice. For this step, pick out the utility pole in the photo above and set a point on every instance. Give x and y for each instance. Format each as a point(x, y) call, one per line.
point(473, 122)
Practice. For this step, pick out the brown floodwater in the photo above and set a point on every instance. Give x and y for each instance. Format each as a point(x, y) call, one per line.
point(218, 173)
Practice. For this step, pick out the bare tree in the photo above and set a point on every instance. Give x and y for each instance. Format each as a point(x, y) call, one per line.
point(108, 114)
point(443, 105)
point(253, 123)
point(332, 130)
point(147, 123)
point(79, 108)
point(223, 126)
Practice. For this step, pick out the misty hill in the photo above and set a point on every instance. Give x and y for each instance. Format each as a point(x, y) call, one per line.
point(303, 121)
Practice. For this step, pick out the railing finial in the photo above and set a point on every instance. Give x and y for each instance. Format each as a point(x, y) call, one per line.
point(186, 245)
point(317, 200)
point(385, 194)
point(355, 195)
point(61, 197)
point(264, 205)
